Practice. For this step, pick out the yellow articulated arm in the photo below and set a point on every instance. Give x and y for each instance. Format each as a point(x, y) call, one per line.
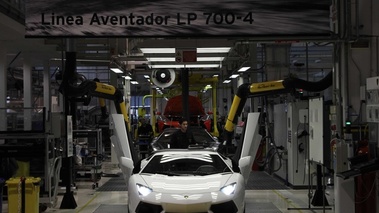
point(106, 91)
point(268, 88)
point(249, 90)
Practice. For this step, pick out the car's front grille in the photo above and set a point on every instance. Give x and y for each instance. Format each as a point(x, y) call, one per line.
point(148, 208)
point(229, 207)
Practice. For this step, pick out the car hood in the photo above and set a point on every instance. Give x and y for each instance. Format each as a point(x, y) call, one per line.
point(198, 184)
point(171, 123)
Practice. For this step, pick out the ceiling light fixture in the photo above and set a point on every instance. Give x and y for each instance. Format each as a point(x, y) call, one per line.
point(199, 50)
point(116, 70)
point(234, 76)
point(213, 49)
point(178, 66)
point(243, 69)
point(172, 59)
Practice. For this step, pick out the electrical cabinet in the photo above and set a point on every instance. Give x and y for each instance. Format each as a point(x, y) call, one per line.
point(297, 143)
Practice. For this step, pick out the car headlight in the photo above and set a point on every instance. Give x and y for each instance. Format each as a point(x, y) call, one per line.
point(143, 190)
point(229, 189)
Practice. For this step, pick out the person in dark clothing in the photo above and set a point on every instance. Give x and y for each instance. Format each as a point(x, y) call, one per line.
point(144, 136)
point(145, 130)
point(182, 138)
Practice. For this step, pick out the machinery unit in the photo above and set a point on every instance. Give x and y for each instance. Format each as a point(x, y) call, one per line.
point(89, 154)
point(372, 112)
point(297, 143)
point(276, 149)
point(319, 132)
point(291, 136)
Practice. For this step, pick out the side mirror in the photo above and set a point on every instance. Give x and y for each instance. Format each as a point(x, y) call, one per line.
point(243, 162)
point(127, 162)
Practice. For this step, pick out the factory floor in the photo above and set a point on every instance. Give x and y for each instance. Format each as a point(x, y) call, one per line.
point(113, 200)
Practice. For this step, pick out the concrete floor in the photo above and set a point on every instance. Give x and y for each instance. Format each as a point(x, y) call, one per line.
point(90, 200)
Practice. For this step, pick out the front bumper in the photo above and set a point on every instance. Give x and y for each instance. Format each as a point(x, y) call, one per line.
point(229, 207)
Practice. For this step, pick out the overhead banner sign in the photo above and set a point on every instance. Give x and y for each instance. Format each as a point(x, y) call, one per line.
point(176, 18)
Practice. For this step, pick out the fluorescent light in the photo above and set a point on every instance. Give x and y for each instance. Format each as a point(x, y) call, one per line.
point(156, 59)
point(134, 82)
point(227, 81)
point(234, 76)
point(215, 75)
point(213, 50)
point(202, 65)
point(199, 50)
point(146, 76)
point(210, 58)
point(128, 77)
point(172, 59)
point(185, 66)
point(116, 70)
point(157, 50)
point(243, 69)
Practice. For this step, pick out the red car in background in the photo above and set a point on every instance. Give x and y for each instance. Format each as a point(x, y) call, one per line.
point(174, 111)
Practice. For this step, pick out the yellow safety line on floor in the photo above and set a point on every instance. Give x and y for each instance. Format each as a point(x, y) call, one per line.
point(285, 199)
point(85, 205)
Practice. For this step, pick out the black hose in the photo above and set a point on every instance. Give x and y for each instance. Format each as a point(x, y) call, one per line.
point(317, 86)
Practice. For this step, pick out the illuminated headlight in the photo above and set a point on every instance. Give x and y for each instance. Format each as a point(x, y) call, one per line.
point(229, 189)
point(143, 190)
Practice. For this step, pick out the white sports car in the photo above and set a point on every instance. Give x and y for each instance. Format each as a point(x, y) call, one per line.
point(186, 180)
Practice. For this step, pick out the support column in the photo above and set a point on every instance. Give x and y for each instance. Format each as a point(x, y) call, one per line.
point(344, 189)
point(28, 94)
point(185, 92)
point(3, 91)
point(68, 201)
point(240, 81)
point(253, 74)
point(46, 88)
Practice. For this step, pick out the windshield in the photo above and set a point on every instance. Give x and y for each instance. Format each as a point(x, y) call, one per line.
point(186, 164)
point(200, 135)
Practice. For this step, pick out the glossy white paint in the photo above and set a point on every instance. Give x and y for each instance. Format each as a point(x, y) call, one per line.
point(181, 193)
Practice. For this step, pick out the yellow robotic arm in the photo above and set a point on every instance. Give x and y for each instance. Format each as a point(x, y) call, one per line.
point(267, 88)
